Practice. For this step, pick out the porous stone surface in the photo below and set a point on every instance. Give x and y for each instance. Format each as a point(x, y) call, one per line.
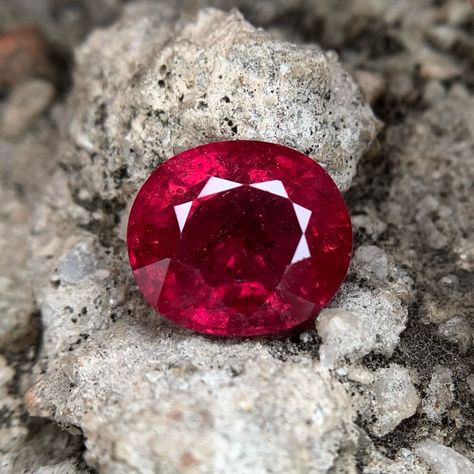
point(406, 462)
point(17, 328)
point(27, 445)
point(26, 102)
point(81, 349)
point(440, 394)
point(358, 322)
point(236, 405)
point(214, 78)
point(395, 396)
point(153, 106)
point(442, 459)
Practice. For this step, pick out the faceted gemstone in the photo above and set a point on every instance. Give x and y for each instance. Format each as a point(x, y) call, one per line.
point(239, 238)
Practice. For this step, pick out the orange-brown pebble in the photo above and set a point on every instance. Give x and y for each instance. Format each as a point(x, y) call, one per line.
point(23, 53)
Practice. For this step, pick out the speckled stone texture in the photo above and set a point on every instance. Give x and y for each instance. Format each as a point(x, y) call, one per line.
point(383, 383)
point(151, 105)
point(171, 86)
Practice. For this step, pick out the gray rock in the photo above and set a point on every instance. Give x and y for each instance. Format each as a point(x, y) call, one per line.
point(369, 223)
point(440, 394)
point(433, 215)
point(457, 330)
point(395, 398)
point(18, 328)
point(436, 312)
point(358, 322)
point(223, 406)
point(27, 101)
point(77, 264)
point(26, 447)
point(458, 13)
point(107, 365)
point(25, 172)
point(167, 400)
point(372, 84)
point(470, 382)
point(465, 252)
point(65, 24)
point(6, 377)
point(433, 92)
point(66, 467)
point(442, 459)
point(371, 263)
point(406, 462)
point(42, 448)
point(151, 104)
point(443, 37)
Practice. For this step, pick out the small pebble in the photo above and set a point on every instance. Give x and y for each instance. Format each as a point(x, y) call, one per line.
point(459, 13)
point(433, 93)
point(395, 398)
point(23, 53)
point(442, 37)
point(78, 263)
point(27, 101)
point(449, 280)
point(458, 331)
point(440, 394)
point(372, 84)
point(443, 460)
point(438, 69)
point(372, 263)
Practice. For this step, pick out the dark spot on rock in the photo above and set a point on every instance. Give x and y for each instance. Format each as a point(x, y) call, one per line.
point(121, 173)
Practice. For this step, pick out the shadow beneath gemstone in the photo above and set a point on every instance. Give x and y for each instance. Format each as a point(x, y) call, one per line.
point(301, 340)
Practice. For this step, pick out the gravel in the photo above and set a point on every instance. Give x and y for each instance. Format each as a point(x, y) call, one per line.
point(91, 378)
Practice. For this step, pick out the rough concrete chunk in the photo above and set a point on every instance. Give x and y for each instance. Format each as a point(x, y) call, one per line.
point(358, 322)
point(159, 88)
point(151, 398)
point(194, 403)
point(440, 394)
point(27, 101)
point(442, 459)
point(395, 398)
point(77, 264)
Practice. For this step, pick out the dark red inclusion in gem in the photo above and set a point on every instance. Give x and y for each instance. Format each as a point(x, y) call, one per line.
point(239, 238)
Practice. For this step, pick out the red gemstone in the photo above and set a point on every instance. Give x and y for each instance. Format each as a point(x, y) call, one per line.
point(239, 238)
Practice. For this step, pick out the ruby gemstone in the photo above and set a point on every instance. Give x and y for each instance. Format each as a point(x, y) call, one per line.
point(239, 238)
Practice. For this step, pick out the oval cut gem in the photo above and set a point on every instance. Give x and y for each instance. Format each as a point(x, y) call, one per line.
point(239, 238)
